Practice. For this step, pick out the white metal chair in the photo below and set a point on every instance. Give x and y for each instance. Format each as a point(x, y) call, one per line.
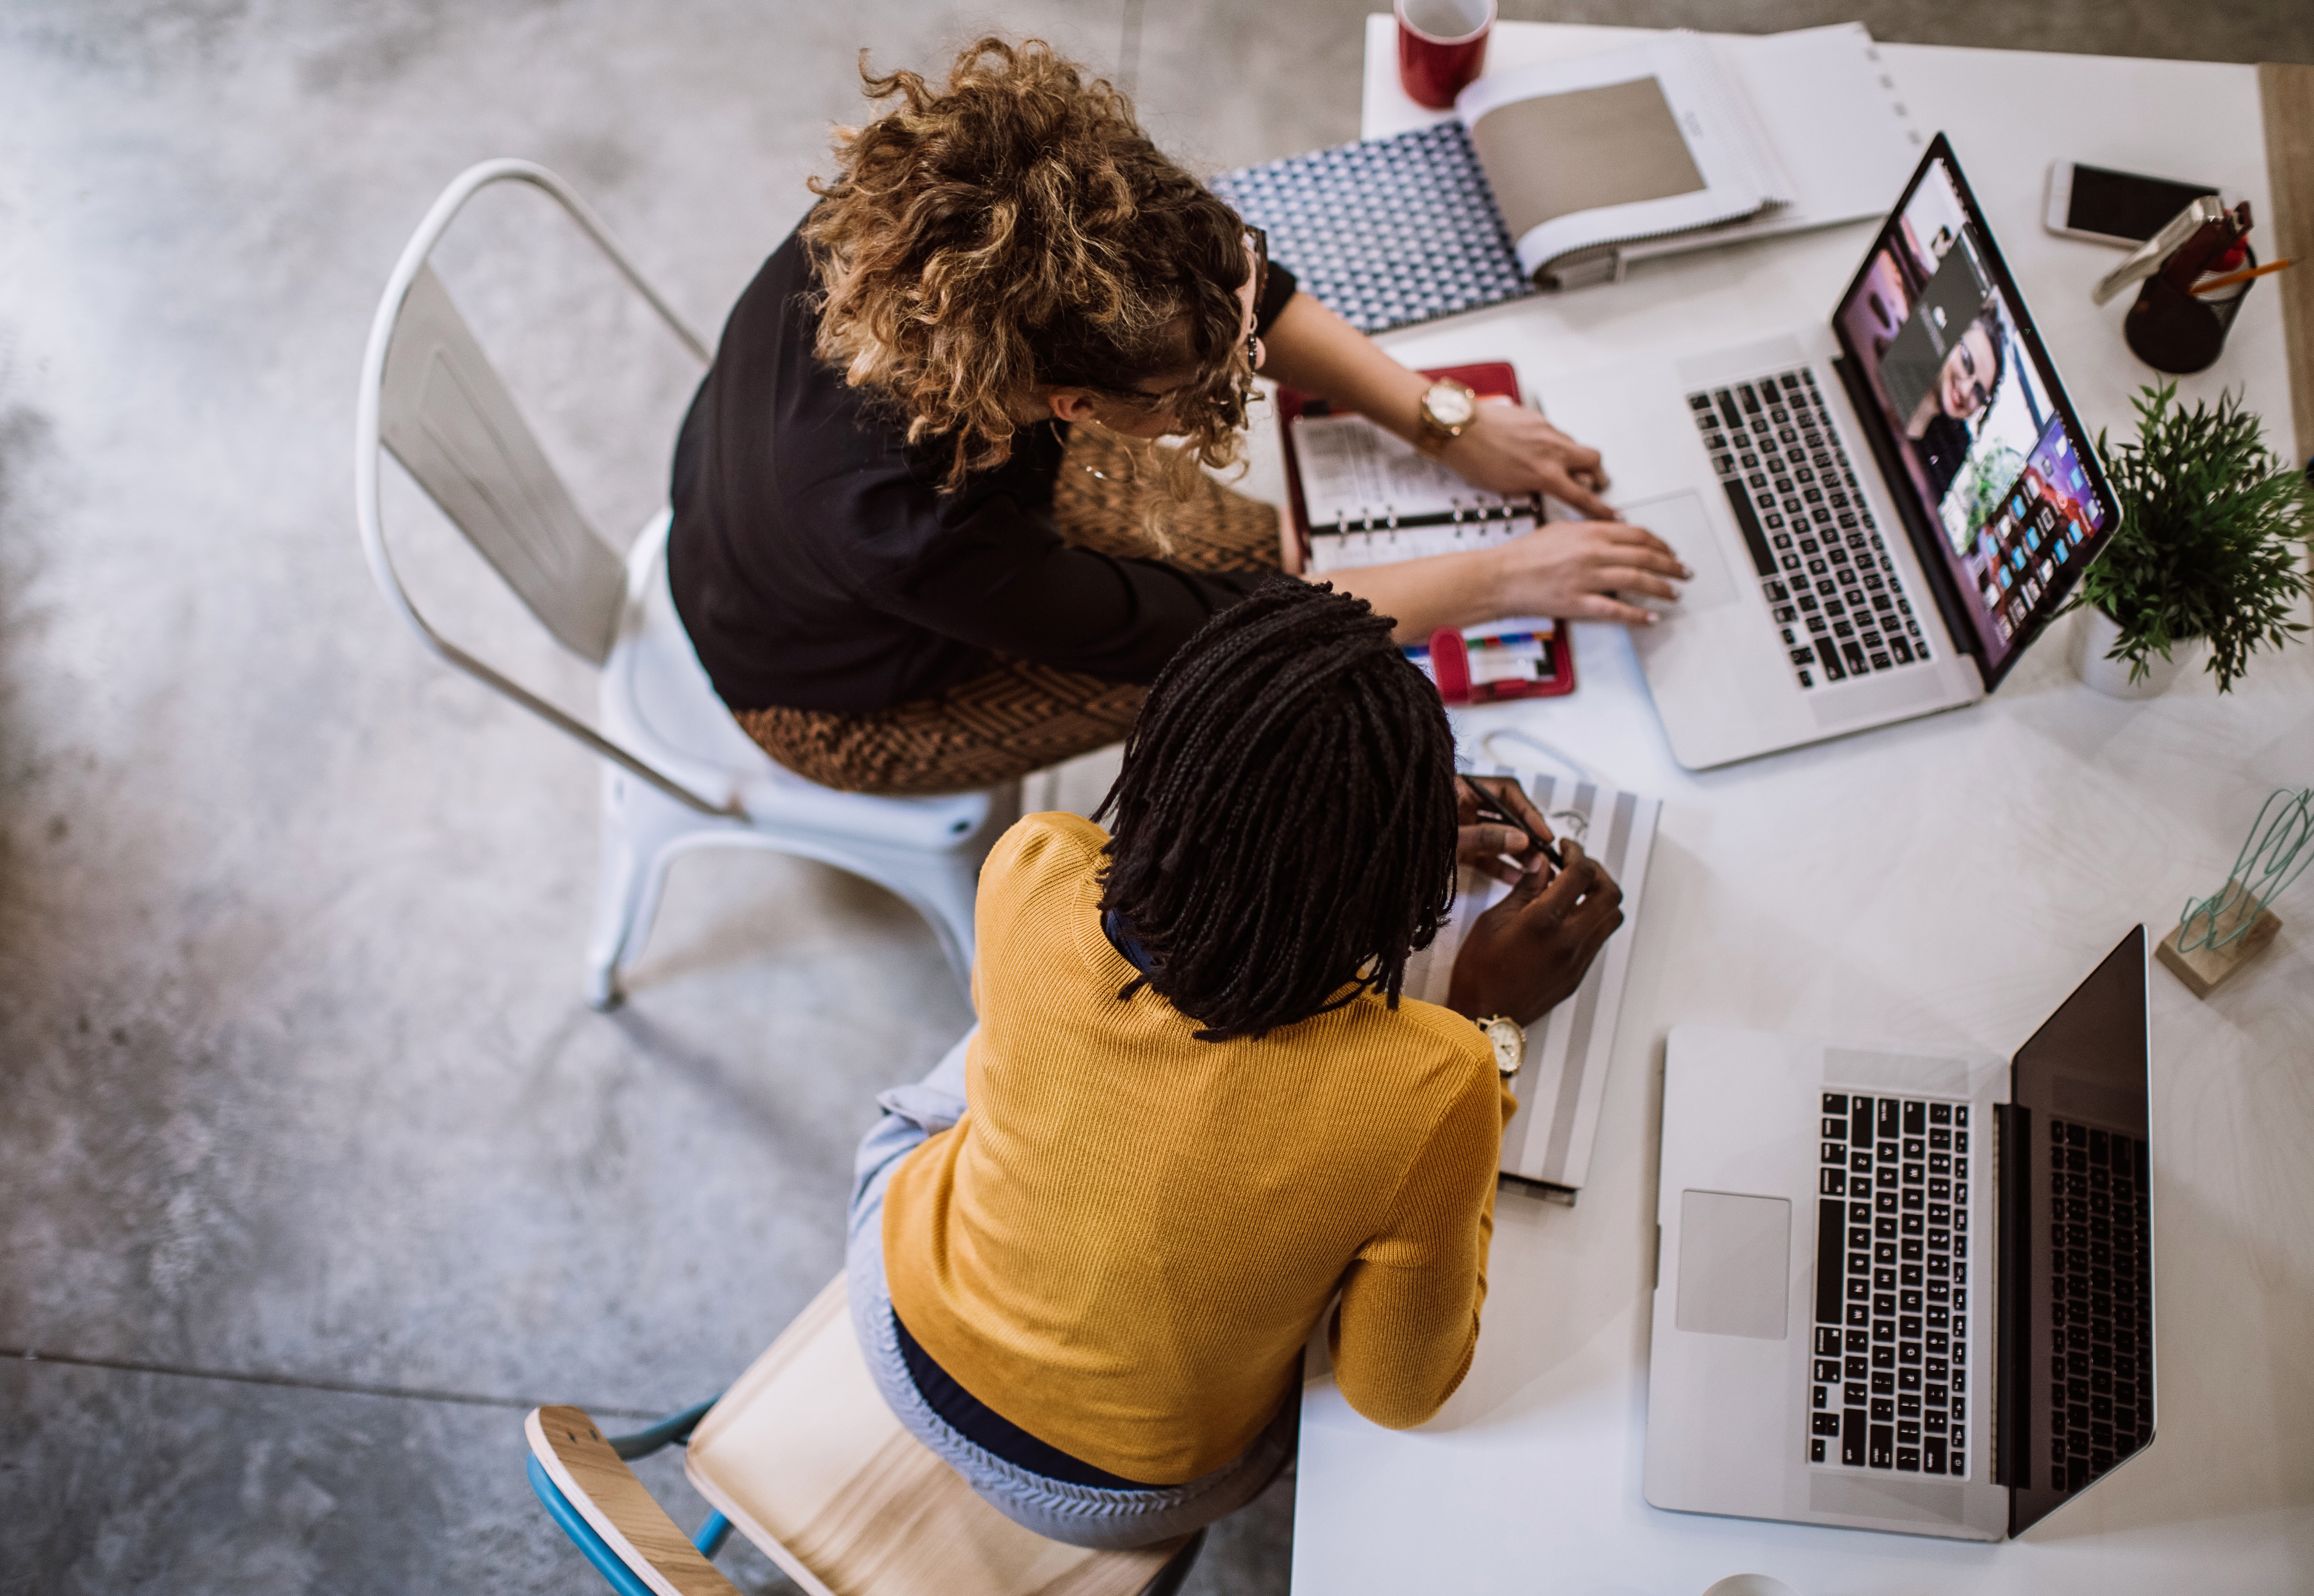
point(679, 774)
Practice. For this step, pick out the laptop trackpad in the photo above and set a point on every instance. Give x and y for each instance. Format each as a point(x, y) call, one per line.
point(1734, 1263)
point(1918, 1502)
point(1679, 519)
point(1879, 699)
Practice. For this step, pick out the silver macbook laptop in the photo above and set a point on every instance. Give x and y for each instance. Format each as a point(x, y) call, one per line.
point(1899, 1292)
point(1880, 511)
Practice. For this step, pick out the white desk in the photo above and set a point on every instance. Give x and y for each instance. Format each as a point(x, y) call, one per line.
point(1944, 883)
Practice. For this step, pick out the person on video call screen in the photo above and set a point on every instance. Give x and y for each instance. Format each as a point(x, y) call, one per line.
point(1982, 441)
point(1943, 367)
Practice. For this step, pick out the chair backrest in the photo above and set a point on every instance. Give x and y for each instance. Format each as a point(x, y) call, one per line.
point(448, 416)
point(805, 1457)
point(429, 394)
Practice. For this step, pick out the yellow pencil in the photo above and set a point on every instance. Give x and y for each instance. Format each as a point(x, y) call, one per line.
point(2232, 277)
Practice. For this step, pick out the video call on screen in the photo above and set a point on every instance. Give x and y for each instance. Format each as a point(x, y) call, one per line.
point(1986, 452)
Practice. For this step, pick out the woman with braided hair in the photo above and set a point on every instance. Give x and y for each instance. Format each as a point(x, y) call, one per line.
point(923, 541)
point(1199, 1106)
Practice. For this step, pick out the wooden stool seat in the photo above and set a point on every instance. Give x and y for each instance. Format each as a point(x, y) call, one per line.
point(805, 1458)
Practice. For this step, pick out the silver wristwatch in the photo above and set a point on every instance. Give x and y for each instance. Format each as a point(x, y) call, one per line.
point(1509, 1039)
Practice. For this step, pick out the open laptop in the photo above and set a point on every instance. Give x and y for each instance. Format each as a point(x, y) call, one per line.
point(1881, 511)
point(1900, 1291)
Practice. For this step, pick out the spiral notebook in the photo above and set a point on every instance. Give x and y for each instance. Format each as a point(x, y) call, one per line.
point(1564, 172)
point(1547, 1146)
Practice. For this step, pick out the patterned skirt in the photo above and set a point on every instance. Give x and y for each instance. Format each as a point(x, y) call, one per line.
point(1016, 716)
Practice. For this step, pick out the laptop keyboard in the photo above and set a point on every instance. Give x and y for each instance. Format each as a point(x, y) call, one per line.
point(1890, 1356)
point(1828, 582)
point(2101, 1307)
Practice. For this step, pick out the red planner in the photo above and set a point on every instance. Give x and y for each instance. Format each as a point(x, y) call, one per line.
point(1498, 661)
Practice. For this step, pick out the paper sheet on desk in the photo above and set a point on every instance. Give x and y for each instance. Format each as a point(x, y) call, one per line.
point(1564, 1080)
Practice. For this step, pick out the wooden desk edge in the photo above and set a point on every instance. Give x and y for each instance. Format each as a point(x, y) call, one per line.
point(2286, 96)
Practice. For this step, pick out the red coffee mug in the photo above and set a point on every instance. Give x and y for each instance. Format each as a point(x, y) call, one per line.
point(1441, 46)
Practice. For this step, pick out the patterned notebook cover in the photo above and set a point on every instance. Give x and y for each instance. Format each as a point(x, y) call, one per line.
point(1564, 1080)
point(1385, 231)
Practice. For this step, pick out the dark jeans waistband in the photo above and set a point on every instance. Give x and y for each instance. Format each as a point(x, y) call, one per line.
point(992, 1432)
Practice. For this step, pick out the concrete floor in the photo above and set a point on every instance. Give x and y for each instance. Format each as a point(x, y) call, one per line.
point(317, 1172)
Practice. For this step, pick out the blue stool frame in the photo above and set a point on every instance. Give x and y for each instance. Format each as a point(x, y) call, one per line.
point(671, 1430)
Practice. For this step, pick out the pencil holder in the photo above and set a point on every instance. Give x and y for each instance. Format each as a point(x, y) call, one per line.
point(2178, 333)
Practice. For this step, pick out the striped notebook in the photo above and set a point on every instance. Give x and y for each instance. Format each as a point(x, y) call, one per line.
point(1548, 1143)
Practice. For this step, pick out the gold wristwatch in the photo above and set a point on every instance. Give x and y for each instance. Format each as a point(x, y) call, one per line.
point(1448, 408)
point(1510, 1038)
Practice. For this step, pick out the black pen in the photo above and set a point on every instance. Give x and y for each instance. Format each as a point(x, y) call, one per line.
point(1490, 809)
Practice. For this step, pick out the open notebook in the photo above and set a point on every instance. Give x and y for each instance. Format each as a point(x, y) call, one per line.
point(1547, 1146)
point(1562, 173)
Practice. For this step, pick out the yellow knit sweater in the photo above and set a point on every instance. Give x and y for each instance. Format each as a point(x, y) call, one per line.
point(1125, 1244)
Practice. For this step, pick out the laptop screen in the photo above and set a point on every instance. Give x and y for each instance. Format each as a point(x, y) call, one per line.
point(2001, 479)
point(2077, 1244)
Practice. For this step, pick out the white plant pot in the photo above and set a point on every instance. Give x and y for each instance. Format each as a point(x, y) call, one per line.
point(2093, 639)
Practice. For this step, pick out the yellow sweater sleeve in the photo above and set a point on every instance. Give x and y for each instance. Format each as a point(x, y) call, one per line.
point(1404, 1336)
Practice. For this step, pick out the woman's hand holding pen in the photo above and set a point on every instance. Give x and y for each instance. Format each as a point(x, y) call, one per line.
point(1528, 953)
point(1499, 829)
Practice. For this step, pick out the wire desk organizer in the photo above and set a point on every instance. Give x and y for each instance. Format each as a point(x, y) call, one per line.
point(2216, 935)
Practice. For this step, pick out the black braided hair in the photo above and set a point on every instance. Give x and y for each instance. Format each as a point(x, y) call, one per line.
point(1284, 821)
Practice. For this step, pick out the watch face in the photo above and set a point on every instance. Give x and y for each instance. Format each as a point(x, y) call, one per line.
point(1449, 405)
point(1510, 1045)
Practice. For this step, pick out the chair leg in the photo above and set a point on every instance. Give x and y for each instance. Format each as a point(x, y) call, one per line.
point(1176, 1573)
point(950, 894)
point(947, 895)
point(638, 826)
point(641, 828)
point(675, 1427)
point(942, 887)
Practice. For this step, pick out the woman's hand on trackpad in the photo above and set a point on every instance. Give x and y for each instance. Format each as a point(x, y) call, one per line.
point(1587, 570)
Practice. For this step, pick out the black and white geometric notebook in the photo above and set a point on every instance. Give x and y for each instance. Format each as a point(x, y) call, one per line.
point(1385, 231)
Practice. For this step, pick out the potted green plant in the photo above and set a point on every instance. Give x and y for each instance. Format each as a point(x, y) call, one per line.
point(2209, 548)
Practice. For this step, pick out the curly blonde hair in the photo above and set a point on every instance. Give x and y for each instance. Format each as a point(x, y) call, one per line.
point(1017, 228)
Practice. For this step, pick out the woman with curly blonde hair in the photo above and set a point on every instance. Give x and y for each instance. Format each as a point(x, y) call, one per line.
point(923, 541)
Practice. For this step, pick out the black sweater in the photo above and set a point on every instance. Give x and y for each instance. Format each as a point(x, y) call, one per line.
point(817, 564)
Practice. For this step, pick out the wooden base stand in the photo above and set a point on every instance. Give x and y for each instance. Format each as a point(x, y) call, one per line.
point(2204, 968)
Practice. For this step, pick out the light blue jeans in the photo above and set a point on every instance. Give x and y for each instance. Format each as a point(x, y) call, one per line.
point(1078, 1515)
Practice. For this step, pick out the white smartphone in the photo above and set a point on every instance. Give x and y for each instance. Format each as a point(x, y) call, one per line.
point(2115, 207)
